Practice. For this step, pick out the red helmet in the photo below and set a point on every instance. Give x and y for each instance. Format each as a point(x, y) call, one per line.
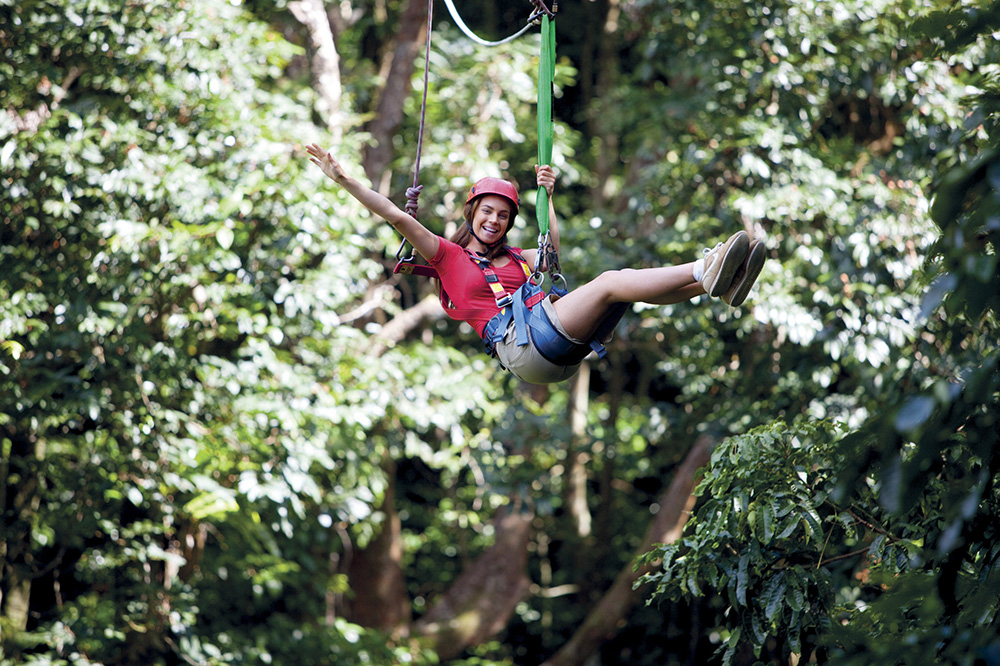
point(496, 186)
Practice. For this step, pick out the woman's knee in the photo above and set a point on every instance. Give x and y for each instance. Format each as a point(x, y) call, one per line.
point(612, 282)
point(614, 275)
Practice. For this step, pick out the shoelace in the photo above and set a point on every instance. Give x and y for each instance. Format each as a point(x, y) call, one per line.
point(707, 251)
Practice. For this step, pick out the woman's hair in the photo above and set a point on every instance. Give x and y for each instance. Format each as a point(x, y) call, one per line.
point(464, 236)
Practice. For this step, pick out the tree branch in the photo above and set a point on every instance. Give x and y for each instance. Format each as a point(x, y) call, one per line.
point(31, 120)
point(379, 297)
point(401, 325)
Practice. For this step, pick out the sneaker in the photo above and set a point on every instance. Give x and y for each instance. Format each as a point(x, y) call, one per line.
point(722, 262)
point(747, 274)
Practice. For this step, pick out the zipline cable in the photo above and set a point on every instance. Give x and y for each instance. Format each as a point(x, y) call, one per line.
point(473, 36)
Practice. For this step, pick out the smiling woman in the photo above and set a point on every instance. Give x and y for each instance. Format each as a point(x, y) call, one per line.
point(542, 338)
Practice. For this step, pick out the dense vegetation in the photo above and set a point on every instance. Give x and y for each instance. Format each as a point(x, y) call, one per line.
point(229, 434)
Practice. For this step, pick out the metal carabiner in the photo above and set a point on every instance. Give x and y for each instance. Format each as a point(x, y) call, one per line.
point(541, 9)
point(542, 253)
point(399, 253)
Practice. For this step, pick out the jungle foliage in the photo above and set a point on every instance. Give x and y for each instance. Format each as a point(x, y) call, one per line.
point(222, 442)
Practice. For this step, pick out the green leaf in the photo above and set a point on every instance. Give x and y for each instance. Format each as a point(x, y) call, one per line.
point(774, 595)
point(914, 413)
point(212, 504)
point(789, 526)
point(795, 598)
point(692, 585)
point(742, 578)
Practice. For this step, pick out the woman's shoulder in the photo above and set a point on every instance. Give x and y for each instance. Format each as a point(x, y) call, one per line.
point(517, 253)
point(447, 250)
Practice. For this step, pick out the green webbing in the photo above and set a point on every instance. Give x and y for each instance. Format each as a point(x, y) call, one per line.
point(546, 70)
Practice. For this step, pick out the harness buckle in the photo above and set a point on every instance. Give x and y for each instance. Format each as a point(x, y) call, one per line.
point(504, 301)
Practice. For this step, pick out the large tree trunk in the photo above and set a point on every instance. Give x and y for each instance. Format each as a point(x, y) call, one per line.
point(605, 73)
point(376, 572)
point(482, 599)
point(324, 62)
point(604, 619)
point(19, 503)
point(389, 112)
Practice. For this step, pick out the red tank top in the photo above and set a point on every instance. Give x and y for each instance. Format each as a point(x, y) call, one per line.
point(470, 297)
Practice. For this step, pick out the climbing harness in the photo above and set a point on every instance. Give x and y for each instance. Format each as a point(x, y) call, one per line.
point(500, 295)
point(531, 324)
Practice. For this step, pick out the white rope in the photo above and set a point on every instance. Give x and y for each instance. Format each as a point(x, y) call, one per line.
point(471, 35)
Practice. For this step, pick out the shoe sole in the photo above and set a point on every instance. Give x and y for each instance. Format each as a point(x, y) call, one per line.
point(731, 263)
point(741, 286)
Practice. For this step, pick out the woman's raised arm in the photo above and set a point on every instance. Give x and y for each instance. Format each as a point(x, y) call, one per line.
point(422, 239)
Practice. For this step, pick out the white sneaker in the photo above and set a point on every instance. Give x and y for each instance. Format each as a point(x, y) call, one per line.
point(722, 262)
point(747, 274)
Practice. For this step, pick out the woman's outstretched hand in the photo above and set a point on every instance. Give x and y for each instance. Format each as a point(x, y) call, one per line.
point(545, 176)
point(325, 161)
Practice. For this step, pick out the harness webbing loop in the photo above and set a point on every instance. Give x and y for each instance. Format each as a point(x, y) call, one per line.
point(546, 72)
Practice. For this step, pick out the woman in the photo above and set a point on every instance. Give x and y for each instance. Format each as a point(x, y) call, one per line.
point(480, 274)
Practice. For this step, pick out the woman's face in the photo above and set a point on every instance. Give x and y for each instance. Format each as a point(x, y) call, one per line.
point(491, 218)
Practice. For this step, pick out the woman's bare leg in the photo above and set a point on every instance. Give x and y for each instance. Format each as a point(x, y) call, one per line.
point(582, 310)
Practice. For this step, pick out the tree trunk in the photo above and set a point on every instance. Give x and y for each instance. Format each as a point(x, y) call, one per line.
point(482, 599)
point(576, 460)
point(388, 116)
point(4, 463)
point(324, 63)
point(376, 572)
point(607, 75)
point(606, 523)
point(605, 618)
point(20, 503)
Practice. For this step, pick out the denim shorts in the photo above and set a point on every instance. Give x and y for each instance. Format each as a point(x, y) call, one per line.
point(524, 361)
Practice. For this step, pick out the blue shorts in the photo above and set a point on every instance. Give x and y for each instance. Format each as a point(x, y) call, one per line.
point(525, 362)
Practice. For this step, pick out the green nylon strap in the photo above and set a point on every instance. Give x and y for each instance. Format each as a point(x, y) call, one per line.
point(546, 71)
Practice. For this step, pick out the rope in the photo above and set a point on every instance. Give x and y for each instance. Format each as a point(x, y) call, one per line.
point(476, 38)
point(413, 193)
